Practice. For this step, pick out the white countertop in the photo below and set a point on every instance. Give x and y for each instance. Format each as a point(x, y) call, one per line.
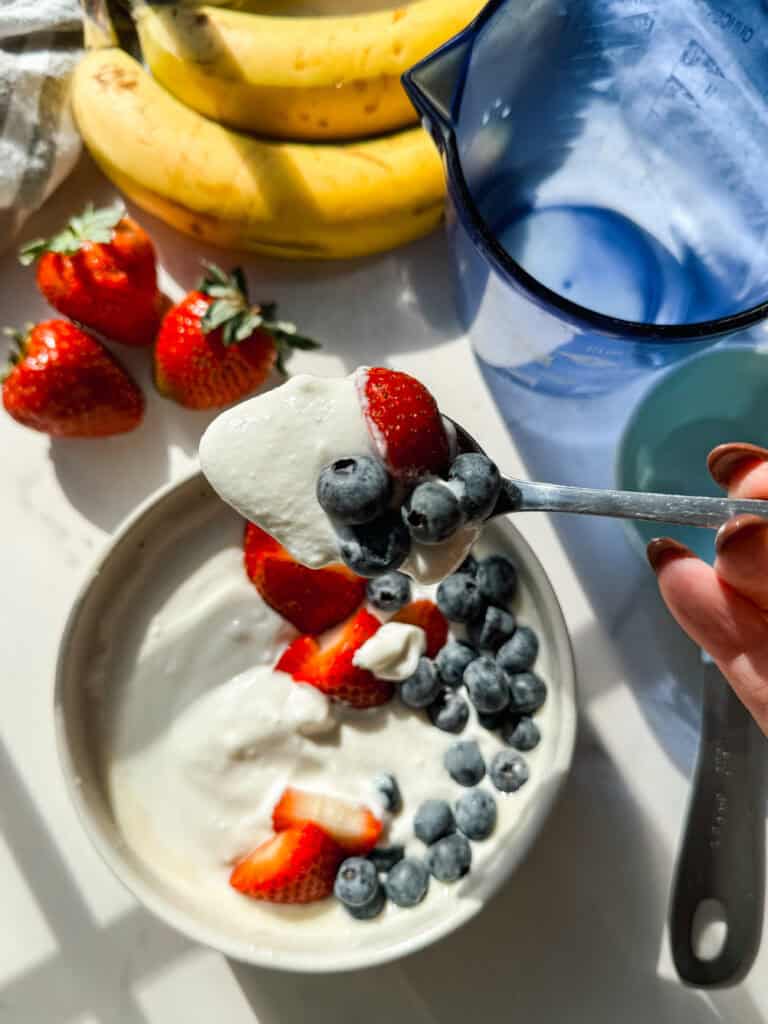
point(578, 933)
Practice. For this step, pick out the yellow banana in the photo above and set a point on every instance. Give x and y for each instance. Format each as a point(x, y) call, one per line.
point(318, 78)
point(294, 200)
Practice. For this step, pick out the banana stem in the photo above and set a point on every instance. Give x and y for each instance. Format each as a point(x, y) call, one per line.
point(98, 29)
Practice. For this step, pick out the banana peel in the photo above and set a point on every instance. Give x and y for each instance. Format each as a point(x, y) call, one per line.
point(313, 78)
point(294, 200)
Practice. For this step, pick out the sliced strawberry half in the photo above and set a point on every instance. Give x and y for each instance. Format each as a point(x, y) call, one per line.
point(430, 618)
point(298, 865)
point(330, 669)
point(404, 422)
point(312, 600)
point(354, 827)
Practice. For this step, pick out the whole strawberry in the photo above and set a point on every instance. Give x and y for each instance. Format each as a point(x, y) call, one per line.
point(100, 271)
point(64, 383)
point(215, 348)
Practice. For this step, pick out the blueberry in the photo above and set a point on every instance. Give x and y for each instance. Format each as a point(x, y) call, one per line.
point(354, 490)
point(464, 763)
point(371, 909)
point(407, 882)
point(492, 719)
point(389, 592)
point(391, 797)
point(487, 685)
point(449, 712)
point(508, 771)
point(521, 733)
point(519, 652)
point(469, 565)
point(490, 632)
point(497, 579)
point(479, 484)
point(451, 660)
point(375, 548)
point(384, 858)
point(476, 814)
point(527, 692)
point(459, 598)
point(420, 689)
point(356, 882)
point(432, 512)
point(433, 820)
point(449, 858)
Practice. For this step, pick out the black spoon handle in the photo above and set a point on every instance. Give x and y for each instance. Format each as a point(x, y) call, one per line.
point(722, 856)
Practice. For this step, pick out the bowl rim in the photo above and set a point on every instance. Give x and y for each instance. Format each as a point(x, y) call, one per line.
point(150, 895)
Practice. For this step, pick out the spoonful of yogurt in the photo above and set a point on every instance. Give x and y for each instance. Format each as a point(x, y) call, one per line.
point(365, 469)
point(331, 467)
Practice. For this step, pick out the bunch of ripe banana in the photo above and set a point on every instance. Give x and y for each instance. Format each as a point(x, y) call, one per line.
point(287, 135)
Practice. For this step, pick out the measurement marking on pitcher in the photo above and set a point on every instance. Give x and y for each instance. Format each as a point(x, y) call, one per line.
point(728, 21)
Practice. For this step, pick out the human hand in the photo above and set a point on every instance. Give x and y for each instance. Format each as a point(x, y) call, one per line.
point(724, 607)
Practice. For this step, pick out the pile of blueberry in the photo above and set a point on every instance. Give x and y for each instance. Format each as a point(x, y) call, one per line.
point(364, 884)
point(376, 520)
point(491, 667)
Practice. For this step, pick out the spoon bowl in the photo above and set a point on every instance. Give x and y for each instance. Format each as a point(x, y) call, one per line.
point(681, 509)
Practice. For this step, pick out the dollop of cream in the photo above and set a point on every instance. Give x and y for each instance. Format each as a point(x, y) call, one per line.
point(393, 651)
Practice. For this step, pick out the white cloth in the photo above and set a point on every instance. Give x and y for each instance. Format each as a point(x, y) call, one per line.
point(40, 42)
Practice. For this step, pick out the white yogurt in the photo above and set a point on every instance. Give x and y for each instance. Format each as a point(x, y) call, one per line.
point(199, 744)
point(213, 776)
point(393, 651)
point(263, 457)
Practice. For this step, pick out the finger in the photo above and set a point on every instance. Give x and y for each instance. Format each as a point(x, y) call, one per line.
point(742, 557)
point(728, 626)
point(742, 544)
point(740, 469)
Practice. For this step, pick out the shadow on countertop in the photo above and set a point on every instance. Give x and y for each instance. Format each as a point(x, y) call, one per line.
point(361, 310)
point(106, 478)
point(90, 972)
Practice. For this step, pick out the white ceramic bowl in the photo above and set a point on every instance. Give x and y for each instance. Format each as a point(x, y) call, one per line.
point(82, 688)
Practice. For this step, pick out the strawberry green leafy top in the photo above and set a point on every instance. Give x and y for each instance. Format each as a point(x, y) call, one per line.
point(233, 312)
point(90, 226)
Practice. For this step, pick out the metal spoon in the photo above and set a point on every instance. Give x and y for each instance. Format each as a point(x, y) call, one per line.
point(527, 496)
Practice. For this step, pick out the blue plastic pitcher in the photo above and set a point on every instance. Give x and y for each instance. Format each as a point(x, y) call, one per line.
point(607, 168)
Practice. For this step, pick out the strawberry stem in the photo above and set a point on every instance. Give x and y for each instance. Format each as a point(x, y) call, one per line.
point(91, 225)
point(233, 312)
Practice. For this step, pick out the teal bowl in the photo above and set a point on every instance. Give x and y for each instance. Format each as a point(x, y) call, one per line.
point(719, 396)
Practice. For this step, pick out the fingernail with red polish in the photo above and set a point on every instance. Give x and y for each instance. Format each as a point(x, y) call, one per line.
point(663, 549)
point(727, 459)
point(739, 528)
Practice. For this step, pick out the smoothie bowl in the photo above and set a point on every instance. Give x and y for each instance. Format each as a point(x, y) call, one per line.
point(258, 809)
